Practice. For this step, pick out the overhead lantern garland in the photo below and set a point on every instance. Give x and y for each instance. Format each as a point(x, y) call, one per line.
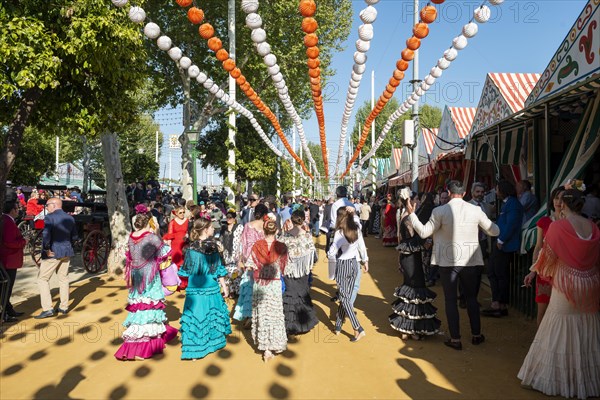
point(481, 15)
point(259, 37)
point(309, 26)
point(365, 35)
point(427, 15)
point(152, 31)
point(207, 32)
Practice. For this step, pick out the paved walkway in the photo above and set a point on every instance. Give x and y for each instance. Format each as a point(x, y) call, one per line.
point(72, 356)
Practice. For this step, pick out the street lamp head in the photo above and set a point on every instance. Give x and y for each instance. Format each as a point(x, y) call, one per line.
point(192, 135)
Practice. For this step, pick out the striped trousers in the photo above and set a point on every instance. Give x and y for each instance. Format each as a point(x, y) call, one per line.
point(346, 272)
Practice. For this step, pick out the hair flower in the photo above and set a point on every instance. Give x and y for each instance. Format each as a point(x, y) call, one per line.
point(575, 184)
point(141, 209)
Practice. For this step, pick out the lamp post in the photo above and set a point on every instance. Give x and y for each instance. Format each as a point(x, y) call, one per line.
point(192, 136)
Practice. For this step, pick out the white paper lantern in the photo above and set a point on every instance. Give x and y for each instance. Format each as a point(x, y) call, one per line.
point(425, 86)
point(164, 43)
point(273, 70)
point(459, 42)
point(119, 3)
point(279, 84)
point(435, 72)
point(451, 54)
point(253, 21)
point(284, 91)
point(201, 78)
point(220, 93)
point(355, 77)
point(496, 2)
point(151, 30)
point(365, 32)
point(368, 15)
point(359, 68)
point(470, 30)
point(258, 35)
point(214, 89)
point(353, 91)
point(443, 63)
point(482, 14)
point(371, 2)
point(224, 97)
point(137, 14)
point(185, 62)
point(263, 48)
point(249, 6)
point(354, 84)
point(230, 102)
point(270, 60)
point(193, 71)
point(420, 91)
point(175, 53)
point(208, 83)
point(410, 102)
point(415, 97)
point(360, 58)
point(277, 77)
point(362, 46)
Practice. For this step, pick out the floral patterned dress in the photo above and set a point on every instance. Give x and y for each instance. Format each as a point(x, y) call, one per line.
point(232, 249)
point(243, 308)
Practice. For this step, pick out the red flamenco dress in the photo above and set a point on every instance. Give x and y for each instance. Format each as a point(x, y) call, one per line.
point(177, 235)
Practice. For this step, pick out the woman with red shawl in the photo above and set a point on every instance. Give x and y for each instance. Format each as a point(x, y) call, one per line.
point(390, 238)
point(564, 356)
point(176, 237)
point(268, 260)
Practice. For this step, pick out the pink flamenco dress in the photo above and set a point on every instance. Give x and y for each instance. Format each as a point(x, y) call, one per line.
point(176, 234)
point(147, 330)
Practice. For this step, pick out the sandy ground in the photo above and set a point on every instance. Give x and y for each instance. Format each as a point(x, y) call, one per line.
point(72, 356)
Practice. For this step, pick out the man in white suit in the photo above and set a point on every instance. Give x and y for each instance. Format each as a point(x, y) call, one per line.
point(455, 229)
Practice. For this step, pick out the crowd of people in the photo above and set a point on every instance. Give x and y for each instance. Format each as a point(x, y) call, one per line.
point(262, 255)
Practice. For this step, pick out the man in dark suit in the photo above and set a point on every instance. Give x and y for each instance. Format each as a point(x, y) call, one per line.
point(503, 251)
point(59, 232)
point(248, 212)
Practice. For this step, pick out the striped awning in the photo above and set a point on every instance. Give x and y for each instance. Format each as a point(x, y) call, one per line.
point(515, 88)
point(482, 148)
point(429, 136)
point(463, 119)
point(512, 144)
point(449, 162)
point(397, 156)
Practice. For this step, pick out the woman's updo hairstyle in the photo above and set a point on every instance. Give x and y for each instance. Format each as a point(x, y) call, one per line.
point(298, 217)
point(270, 227)
point(573, 199)
point(260, 211)
point(141, 221)
point(200, 225)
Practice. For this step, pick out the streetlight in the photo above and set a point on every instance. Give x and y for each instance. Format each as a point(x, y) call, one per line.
point(192, 136)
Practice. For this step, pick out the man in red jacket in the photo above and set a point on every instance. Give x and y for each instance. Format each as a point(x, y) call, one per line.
point(11, 253)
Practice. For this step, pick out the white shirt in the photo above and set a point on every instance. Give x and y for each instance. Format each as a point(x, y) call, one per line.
point(343, 202)
point(356, 250)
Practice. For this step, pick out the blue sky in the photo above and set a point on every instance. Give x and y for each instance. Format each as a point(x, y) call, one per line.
point(521, 36)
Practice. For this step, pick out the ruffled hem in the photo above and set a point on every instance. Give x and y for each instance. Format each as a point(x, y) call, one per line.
point(243, 308)
point(426, 327)
point(146, 349)
point(415, 295)
point(137, 333)
point(300, 316)
point(157, 305)
point(268, 321)
point(145, 300)
point(145, 317)
point(414, 311)
point(202, 337)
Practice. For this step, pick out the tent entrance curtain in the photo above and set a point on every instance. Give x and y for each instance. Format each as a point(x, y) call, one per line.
point(580, 152)
point(512, 143)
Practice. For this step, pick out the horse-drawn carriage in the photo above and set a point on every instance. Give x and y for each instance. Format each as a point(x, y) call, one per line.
point(91, 219)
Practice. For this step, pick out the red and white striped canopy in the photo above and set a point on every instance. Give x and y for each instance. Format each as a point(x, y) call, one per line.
point(463, 119)
point(515, 88)
point(397, 155)
point(429, 136)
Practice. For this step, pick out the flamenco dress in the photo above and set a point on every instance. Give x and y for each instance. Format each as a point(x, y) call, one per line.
point(205, 318)
point(176, 235)
point(146, 329)
point(243, 308)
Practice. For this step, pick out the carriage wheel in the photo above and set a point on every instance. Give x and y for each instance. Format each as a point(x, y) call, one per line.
point(35, 247)
point(94, 251)
point(25, 228)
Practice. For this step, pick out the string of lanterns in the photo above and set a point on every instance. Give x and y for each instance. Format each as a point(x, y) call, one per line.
point(481, 15)
point(309, 26)
point(153, 31)
point(427, 15)
point(365, 35)
point(259, 37)
point(207, 32)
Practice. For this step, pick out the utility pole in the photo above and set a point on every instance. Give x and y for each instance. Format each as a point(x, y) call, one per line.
point(415, 111)
point(156, 143)
point(57, 151)
point(294, 147)
point(372, 159)
point(232, 92)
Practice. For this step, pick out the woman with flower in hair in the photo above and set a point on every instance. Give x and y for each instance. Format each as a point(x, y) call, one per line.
point(253, 232)
point(563, 359)
point(390, 238)
point(147, 331)
point(268, 260)
point(205, 317)
point(176, 237)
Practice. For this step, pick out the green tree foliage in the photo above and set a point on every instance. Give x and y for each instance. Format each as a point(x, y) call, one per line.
point(36, 160)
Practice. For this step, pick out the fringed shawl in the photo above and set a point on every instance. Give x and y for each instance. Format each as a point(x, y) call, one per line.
point(572, 265)
point(143, 259)
point(301, 254)
point(212, 251)
point(270, 262)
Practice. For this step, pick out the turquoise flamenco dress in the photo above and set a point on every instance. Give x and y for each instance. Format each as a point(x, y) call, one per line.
point(205, 318)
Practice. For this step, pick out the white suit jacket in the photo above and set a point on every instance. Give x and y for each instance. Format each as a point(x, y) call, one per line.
point(455, 229)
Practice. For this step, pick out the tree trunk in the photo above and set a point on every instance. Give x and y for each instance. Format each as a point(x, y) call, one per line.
point(12, 143)
point(187, 168)
point(118, 210)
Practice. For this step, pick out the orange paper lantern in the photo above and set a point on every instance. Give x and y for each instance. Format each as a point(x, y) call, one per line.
point(307, 8)
point(421, 30)
point(394, 82)
point(245, 86)
point(184, 3)
point(390, 88)
point(195, 15)
point(399, 75)
point(437, 1)
point(407, 54)
point(309, 25)
point(402, 65)
point(206, 31)
point(241, 80)
point(214, 43)
point(313, 63)
point(413, 43)
point(222, 55)
point(312, 52)
point(314, 72)
point(315, 81)
point(311, 40)
point(228, 64)
point(428, 14)
point(235, 73)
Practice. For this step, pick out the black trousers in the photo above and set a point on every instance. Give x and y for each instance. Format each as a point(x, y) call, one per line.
point(12, 275)
point(468, 278)
point(365, 226)
point(498, 274)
